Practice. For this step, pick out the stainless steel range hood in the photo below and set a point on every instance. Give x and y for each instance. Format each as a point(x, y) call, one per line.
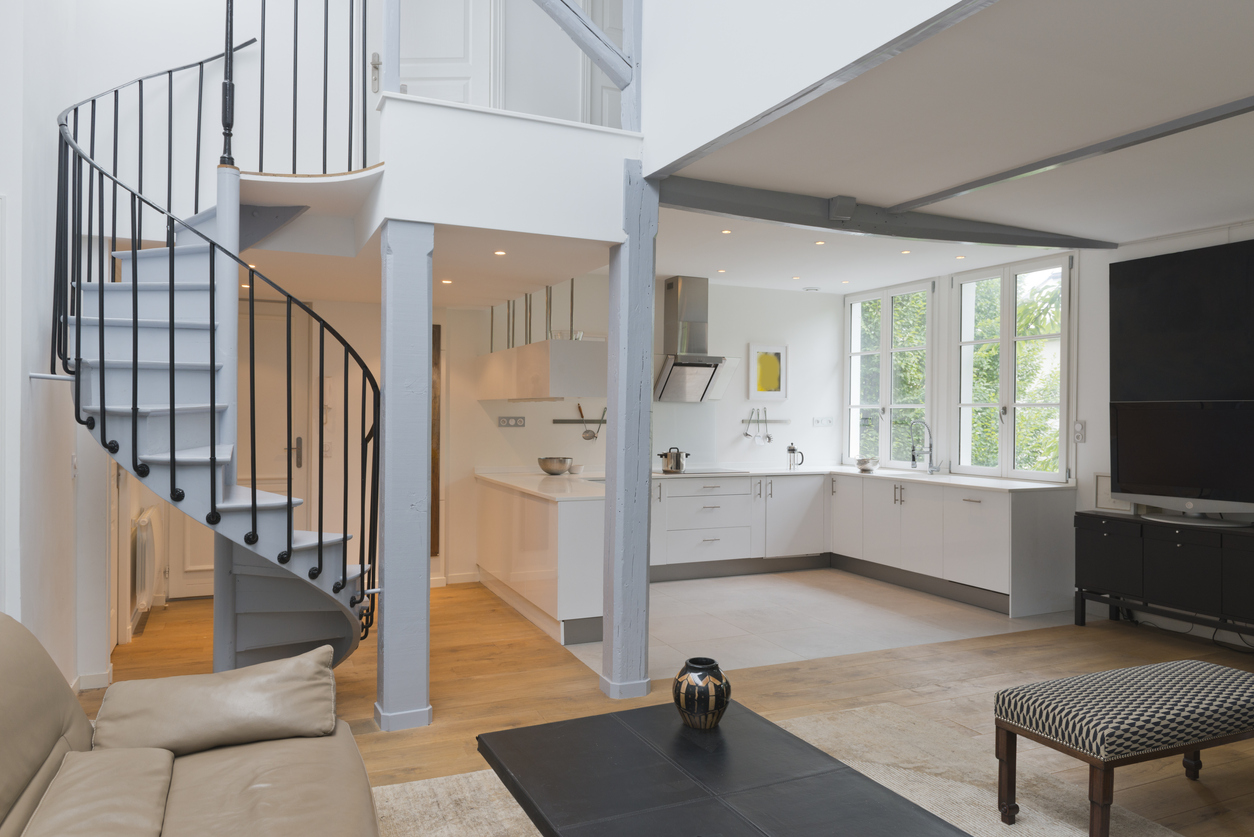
point(689, 373)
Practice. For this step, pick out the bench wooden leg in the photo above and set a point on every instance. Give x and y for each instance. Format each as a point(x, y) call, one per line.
point(1006, 751)
point(1101, 794)
point(1193, 764)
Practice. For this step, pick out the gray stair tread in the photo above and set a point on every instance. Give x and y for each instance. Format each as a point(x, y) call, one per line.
point(125, 285)
point(152, 409)
point(158, 252)
point(144, 322)
point(125, 363)
point(305, 539)
point(189, 456)
point(241, 497)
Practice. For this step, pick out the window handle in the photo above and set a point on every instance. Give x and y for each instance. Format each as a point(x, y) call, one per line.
point(1003, 414)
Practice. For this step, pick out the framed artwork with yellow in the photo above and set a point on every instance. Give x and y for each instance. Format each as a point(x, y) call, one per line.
point(768, 372)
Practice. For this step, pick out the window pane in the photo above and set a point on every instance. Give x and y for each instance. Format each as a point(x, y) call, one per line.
point(1036, 439)
point(910, 320)
point(864, 332)
point(1038, 302)
point(909, 370)
point(978, 433)
point(899, 441)
point(981, 309)
point(1038, 371)
point(980, 375)
point(864, 432)
point(864, 379)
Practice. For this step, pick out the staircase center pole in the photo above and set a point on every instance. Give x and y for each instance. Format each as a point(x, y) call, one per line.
point(228, 87)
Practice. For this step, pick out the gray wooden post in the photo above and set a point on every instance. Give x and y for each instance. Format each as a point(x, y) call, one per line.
point(223, 603)
point(404, 619)
point(628, 460)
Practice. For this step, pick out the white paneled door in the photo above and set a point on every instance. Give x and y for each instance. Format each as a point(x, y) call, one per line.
point(446, 50)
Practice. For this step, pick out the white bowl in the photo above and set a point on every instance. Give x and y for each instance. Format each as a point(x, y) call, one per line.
point(576, 469)
point(867, 464)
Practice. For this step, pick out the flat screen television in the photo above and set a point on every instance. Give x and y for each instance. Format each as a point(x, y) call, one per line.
point(1195, 457)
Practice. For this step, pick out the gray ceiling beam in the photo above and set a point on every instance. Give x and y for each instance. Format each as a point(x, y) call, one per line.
point(1166, 129)
point(824, 214)
point(934, 25)
point(589, 38)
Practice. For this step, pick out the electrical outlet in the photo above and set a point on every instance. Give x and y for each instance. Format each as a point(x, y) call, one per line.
point(823, 421)
point(1078, 431)
point(511, 421)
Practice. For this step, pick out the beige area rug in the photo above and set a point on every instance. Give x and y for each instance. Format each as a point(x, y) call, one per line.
point(952, 775)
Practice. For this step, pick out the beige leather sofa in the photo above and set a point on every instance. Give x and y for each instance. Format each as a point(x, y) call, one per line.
point(256, 751)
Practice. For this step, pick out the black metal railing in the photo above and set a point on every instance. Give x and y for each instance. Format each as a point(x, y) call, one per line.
point(87, 224)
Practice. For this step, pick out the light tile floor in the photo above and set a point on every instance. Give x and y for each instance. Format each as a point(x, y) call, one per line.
point(757, 620)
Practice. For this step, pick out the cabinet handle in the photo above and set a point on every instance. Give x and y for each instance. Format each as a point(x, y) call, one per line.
point(711, 486)
point(759, 489)
point(896, 488)
point(770, 488)
point(710, 540)
point(965, 500)
point(711, 507)
point(833, 485)
point(659, 492)
point(1105, 534)
point(903, 495)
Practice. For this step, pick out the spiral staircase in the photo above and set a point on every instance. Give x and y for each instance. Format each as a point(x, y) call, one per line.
point(148, 324)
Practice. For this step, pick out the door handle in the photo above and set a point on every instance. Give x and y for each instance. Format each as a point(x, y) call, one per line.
point(299, 447)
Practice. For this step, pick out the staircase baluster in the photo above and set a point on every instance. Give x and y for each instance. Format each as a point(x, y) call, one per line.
point(169, 142)
point(200, 107)
point(351, 16)
point(261, 106)
point(295, 63)
point(339, 585)
point(361, 519)
point(113, 241)
point(58, 270)
point(140, 187)
point(213, 518)
point(138, 467)
point(314, 572)
point(111, 445)
point(76, 297)
point(251, 537)
point(374, 506)
point(176, 493)
point(326, 69)
point(286, 555)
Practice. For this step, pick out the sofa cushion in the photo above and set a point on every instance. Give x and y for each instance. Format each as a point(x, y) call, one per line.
point(280, 699)
point(40, 721)
point(301, 786)
point(106, 793)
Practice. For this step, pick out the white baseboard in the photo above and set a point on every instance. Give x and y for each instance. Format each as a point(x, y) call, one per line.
point(438, 581)
point(621, 691)
point(409, 719)
point(462, 578)
point(99, 680)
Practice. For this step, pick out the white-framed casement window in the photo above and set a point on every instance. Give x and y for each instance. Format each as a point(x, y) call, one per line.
point(1011, 360)
point(889, 371)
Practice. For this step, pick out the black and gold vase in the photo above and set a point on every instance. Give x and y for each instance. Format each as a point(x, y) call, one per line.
point(701, 691)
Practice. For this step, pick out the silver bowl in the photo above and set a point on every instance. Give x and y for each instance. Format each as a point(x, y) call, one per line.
point(868, 464)
point(554, 464)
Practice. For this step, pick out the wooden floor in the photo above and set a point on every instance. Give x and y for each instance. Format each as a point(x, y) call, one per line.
point(492, 669)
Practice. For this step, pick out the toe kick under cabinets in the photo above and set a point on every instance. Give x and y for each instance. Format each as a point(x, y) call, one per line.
point(724, 518)
point(1008, 540)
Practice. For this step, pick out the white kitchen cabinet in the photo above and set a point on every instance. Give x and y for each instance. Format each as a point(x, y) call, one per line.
point(977, 538)
point(846, 515)
point(881, 519)
point(657, 525)
point(757, 517)
point(902, 525)
point(693, 545)
point(795, 515)
point(922, 508)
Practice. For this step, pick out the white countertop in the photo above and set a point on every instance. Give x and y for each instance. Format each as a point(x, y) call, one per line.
point(590, 485)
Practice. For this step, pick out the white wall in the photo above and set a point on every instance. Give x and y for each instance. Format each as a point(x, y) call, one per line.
point(709, 67)
point(809, 324)
point(1093, 383)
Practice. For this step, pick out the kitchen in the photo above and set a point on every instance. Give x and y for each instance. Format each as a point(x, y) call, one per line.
point(737, 510)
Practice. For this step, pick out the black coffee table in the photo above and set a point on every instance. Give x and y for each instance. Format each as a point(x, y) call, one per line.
point(641, 772)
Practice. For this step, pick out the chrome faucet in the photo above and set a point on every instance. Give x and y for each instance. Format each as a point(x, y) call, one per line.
point(932, 468)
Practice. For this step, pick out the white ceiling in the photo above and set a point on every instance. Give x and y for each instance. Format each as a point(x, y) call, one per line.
point(1019, 81)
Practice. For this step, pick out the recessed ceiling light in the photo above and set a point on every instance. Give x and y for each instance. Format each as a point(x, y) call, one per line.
point(447, 281)
point(904, 252)
point(795, 278)
point(844, 282)
point(959, 257)
point(499, 253)
point(809, 289)
point(243, 286)
point(722, 271)
point(820, 242)
point(726, 232)
point(253, 266)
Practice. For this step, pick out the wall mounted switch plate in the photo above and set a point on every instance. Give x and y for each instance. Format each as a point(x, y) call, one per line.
point(511, 421)
point(1078, 431)
point(823, 421)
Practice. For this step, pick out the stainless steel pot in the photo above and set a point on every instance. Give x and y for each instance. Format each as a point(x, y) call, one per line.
point(673, 461)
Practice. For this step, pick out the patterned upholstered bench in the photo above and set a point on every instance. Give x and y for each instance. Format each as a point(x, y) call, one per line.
point(1120, 717)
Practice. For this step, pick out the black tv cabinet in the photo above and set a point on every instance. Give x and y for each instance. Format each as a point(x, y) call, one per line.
point(1197, 574)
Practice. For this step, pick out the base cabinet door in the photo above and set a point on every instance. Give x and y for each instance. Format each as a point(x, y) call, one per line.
point(1238, 576)
point(977, 538)
point(757, 517)
point(657, 525)
point(1184, 575)
point(881, 522)
point(795, 515)
point(922, 509)
point(846, 516)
